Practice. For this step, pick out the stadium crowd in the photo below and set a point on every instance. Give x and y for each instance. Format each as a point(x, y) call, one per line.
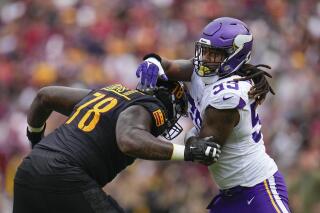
point(89, 43)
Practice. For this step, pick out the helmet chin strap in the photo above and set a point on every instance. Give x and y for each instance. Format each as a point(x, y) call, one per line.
point(210, 79)
point(174, 105)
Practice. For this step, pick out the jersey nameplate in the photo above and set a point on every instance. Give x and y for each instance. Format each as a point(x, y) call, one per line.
point(120, 90)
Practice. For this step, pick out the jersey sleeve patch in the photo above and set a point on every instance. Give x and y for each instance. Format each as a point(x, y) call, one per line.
point(158, 117)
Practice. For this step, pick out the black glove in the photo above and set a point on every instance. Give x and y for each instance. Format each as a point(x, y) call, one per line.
point(202, 150)
point(35, 137)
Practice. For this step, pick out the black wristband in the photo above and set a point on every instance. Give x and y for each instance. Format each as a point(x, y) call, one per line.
point(152, 55)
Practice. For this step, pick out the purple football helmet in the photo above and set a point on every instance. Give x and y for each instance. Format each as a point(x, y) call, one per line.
point(225, 44)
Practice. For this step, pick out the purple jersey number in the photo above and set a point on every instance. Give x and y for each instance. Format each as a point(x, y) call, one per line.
point(194, 113)
point(229, 85)
point(256, 136)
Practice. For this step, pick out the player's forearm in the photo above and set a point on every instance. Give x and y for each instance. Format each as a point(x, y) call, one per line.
point(140, 143)
point(134, 138)
point(38, 112)
point(178, 70)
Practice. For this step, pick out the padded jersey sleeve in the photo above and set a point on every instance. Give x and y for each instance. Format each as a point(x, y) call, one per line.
point(230, 98)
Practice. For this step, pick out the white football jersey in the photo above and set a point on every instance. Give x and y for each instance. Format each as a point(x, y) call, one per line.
point(243, 160)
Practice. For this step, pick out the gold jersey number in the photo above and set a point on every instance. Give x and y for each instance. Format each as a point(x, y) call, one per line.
point(102, 105)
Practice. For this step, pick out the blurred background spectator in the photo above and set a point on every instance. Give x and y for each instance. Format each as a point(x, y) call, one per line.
point(89, 43)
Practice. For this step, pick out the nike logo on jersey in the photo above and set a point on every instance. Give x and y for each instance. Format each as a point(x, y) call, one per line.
point(226, 98)
point(249, 201)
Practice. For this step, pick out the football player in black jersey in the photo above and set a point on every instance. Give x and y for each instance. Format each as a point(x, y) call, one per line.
point(105, 131)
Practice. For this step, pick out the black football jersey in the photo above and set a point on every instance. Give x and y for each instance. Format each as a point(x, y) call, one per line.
point(88, 136)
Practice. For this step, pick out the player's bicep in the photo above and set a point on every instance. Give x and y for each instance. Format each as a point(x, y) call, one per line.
point(219, 123)
point(133, 127)
point(134, 117)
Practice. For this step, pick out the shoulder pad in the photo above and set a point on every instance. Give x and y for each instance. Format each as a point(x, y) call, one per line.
point(229, 95)
point(227, 101)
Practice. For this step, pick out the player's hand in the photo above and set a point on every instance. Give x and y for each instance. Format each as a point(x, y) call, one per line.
point(202, 150)
point(35, 136)
point(150, 70)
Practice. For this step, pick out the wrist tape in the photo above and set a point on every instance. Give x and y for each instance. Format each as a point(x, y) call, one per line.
point(35, 129)
point(178, 152)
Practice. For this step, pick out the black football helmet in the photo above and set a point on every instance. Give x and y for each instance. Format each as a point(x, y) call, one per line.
point(172, 95)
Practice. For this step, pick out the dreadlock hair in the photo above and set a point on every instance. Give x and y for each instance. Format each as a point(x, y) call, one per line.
point(258, 75)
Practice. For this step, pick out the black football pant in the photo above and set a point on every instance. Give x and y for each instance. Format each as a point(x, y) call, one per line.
point(93, 200)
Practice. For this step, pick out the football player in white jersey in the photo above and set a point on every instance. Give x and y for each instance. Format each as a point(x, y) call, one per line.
point(224, 107)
